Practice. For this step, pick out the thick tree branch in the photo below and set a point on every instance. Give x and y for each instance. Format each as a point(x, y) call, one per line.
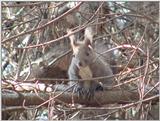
point(11, 98)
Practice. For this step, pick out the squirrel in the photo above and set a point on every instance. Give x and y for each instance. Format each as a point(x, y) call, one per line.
point(85, 65)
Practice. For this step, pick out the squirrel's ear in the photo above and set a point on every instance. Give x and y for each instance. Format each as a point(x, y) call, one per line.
point(88, 36)
point(87, 42)
point(72, 38)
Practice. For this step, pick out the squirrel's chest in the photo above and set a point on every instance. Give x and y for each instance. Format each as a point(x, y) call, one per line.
point(85, 73)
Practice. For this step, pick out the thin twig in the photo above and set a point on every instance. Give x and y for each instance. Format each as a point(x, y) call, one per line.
point(41, 27)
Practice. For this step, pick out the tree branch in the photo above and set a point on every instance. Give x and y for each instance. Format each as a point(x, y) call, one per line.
point(12, 98)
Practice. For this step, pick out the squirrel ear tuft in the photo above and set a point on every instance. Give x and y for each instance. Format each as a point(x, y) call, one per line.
point(88, 35)
point(72, 38)
point(87, 42)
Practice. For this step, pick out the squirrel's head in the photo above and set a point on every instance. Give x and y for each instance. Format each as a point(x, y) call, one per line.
point(83, 51)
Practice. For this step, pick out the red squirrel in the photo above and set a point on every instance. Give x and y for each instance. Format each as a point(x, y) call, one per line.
point(86, 64)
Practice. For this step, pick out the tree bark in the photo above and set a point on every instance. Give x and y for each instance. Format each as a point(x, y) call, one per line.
point(12, 98)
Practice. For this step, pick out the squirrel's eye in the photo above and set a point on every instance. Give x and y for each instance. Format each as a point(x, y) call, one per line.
point(87, 54)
